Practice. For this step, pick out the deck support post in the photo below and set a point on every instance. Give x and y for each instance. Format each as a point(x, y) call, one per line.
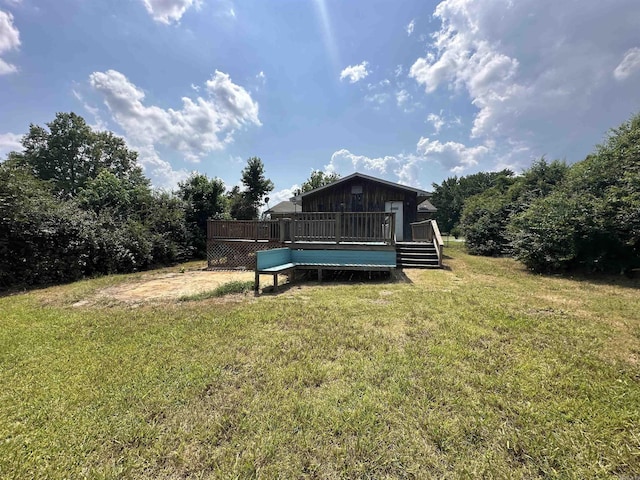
point(256, 286)
point(319, 275)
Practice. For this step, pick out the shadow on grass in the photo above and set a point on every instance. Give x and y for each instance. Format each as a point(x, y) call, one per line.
point(603, 279)
point(338, 277)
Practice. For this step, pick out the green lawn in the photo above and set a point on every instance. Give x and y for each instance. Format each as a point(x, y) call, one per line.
point(478, 370)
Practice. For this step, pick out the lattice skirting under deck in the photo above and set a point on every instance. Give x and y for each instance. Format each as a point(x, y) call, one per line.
point(235, 254)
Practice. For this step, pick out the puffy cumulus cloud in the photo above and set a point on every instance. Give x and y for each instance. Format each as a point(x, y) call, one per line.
point(168, 11)
point(282, 195)
point(407, 169)
point(535, 71)
point(629, 65)
point(343, 161)
point(401, 168)
point(9, 40)
point(235, 103)
point(355, 73)
point(9, 142)
point(200, 126)
point(161, 172)
point(456, 157)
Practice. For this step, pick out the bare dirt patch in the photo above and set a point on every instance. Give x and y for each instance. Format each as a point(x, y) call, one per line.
point(170, 286)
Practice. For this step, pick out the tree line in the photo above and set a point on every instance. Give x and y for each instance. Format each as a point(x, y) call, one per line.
point(554, 217)
point(74, 202)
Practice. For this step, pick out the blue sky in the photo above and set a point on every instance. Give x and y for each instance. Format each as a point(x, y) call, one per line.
point(410, 91)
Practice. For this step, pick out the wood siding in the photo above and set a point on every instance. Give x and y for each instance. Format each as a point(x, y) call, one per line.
point(341, 198)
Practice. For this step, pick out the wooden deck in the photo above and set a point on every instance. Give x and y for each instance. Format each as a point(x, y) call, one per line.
point(233, 244)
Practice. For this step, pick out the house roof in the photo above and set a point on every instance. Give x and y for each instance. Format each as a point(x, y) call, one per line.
point(420, 192)
point(283, 207)
point(427, 207)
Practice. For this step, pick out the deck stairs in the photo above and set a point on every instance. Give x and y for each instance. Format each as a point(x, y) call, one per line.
point(416, 255)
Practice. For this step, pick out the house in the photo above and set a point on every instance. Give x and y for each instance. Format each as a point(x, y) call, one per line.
point(283, 209)
point(362, 193)
point(426, 211)
point(341, 219)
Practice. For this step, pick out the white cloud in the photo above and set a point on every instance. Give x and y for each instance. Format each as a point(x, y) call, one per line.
point(410, 27)
point(437, 121)
point(398, 71)
point(355, 73)
point(537, 74)
point(629, 65)
point(161, 172)
point(454, 156)
point(377, 98)
point(200, 126)
point(402, 97)
point(9, 40)
point(400, 168)
point(282, 195)
point(407, 169)
point(168, 11)
point(343, 161)
point(9, 142)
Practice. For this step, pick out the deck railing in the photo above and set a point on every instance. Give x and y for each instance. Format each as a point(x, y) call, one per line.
point(310, 227)
point(428, 231)
point(343, 227)
point(244, 229)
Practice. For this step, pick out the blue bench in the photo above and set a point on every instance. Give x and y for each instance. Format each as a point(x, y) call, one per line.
point(285, 260)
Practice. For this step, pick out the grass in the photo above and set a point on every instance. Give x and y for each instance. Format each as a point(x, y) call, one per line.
point(479, 370)
point(228, 288)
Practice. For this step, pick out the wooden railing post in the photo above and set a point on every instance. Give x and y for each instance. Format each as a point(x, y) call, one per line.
point(392, 219)
point(293, 229)
point(338, 226)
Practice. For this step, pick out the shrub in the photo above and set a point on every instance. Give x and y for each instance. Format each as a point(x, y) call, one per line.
point(593, 221)
point(486, 216)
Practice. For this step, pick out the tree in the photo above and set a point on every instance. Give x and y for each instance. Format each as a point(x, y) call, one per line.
point(204, 198)
point(256, 185)
point(245, 205)
point(317, 179)
point(75, 203)
point(450, 197)
point(239, 206)
point(122, 197)
point(70, 153)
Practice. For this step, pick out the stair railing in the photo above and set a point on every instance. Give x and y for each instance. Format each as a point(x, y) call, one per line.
point(428, 231)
